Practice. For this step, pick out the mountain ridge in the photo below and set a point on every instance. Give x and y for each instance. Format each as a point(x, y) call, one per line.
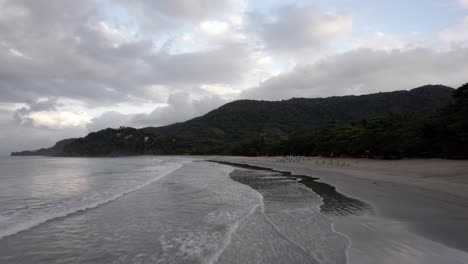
point(221, 129)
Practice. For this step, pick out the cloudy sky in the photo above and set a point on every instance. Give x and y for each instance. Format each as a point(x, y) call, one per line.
point(71, 67)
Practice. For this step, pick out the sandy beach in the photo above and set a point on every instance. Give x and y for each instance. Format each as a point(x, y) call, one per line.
point(420, 206)
point(449, 176)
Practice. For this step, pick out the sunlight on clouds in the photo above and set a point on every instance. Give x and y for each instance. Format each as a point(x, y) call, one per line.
point(13, 51)
point(209, 35)
point(330, 25)
point(113, 35)
point(264, 60)
point(221, 90)
point(236, 20)
point(16, 53)
point(61, 119)
point(214, 27)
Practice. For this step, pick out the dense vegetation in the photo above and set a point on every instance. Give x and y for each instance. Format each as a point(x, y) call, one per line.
point(55, 150)
point(384, 125)
point(394, 135)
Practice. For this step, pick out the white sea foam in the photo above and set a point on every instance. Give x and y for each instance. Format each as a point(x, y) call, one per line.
point(10, 225)
point(228, 237)
point(233, 228)
point(277, 229)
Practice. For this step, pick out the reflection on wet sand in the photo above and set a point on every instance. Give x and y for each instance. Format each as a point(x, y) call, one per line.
point(334, 203)
point(371, 237)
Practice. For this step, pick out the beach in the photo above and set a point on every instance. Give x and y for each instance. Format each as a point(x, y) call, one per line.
point(420, 207)
point(449, 176)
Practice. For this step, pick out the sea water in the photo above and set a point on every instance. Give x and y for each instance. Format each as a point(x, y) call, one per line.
point(169, 210)
point(154, 210)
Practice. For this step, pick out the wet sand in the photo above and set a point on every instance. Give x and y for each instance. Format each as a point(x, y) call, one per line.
point(420, 207)
point(447, 176)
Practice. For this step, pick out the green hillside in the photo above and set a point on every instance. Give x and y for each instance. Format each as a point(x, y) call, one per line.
point(55, 150)
point(251, 127)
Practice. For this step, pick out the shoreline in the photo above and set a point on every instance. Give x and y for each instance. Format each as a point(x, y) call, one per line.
point(449, 176)
point(427, 197)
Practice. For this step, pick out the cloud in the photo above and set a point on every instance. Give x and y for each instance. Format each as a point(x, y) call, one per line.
point(296, 29)
point(16, 137)
point(213, 27)
point(382, 41)
point(457, 34)
point(110, 119)
point(22, 114)
point(182, 9)
point(180, 107)
point(71, 51)
point(212, 35)
point(69, 65)
point(367, 71)
point(224, 65)
point(463, 3)
point(47, 39)
point(46, 113)
point(60, 119)
point(68, 49)
point(44, 105)
point(156, 16)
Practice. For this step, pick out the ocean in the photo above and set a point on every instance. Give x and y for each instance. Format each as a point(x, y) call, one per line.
point(156, 210)
point(167, 210)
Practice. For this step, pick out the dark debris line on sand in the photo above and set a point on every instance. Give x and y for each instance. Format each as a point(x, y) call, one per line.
point(334, 202)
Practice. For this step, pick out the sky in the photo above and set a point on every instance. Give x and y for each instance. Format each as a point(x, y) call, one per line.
point(71, 67)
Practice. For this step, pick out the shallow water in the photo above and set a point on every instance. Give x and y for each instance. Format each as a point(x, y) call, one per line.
point(35, 190)
point(291, 212)
point(155, 210)
point(333, 202)
point(371, 238)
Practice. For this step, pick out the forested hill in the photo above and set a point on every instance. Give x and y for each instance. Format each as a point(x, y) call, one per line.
point(226, 129)
point(243, 117)
point(55, 150)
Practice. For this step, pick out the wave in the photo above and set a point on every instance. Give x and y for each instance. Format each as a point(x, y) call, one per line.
point(59, 211)
point(228, 237)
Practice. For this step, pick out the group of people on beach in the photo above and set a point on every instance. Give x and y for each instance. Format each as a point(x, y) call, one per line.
point(317, 161)
point(291, 158)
